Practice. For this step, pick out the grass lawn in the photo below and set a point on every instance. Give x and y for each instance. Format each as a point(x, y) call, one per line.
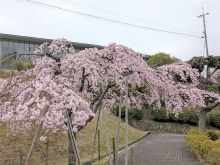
point(12, 145)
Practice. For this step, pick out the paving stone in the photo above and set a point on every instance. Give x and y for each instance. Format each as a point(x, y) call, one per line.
point(160, 148)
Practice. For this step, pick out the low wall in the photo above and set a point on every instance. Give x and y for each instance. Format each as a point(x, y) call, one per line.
point(160, 126)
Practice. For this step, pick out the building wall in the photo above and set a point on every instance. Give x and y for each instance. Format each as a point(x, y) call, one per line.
point(13, 44)
point(10, 47)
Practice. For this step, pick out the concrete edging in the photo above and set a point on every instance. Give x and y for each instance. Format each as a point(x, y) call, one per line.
point(120, 149)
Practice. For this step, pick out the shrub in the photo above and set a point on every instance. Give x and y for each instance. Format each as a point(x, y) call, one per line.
point(137, 114)
point(213, 89)
point(218, 133)
point(184, 117)
point(159, 114)
point(145, 105)
point(214, 118)
point(189, 117)
point(115, 90)
point(172, 117)
point(203, 146)
point(212, 135)
point(132, 113)
point(193, 117)
point(29, 65)
point(20, 66)
point(117, 110)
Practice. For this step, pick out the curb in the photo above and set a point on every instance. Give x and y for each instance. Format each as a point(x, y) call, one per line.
point(103, 156)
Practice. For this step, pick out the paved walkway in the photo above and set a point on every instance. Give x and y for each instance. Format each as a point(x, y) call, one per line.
point(162, 149)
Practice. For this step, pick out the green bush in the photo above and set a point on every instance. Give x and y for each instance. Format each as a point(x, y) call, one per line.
point(214, 118)
point(145, 105)
point(172, 117)
point(134, 112)
point(212, 135)
point(20, 66)
point(117, 110)
point(115, 90)
point(213, 89)
point(203, 146)
point(186, 117)
point(159, 114)
point(193, 117)
point(137, 114)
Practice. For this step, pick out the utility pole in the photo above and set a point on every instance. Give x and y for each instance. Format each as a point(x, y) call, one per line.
point(126, 123)
point(205, 35)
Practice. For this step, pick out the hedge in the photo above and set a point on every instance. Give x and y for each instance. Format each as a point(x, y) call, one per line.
point(137, 114)
point(21, 66)
point(133, 112)
point(187, 117)
point(160, 114)
point(213, 118)
point(203, 146)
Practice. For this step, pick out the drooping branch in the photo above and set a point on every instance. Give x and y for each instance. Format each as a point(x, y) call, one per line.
point(211, 107)
point(54, 58)
point(127, 72)
point(96, 106)
point(109, 58)
point(96, 98)
point(21, 92)
point(83, 79)
point(210, 75)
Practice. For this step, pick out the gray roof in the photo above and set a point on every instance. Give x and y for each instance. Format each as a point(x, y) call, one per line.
point(41, 40)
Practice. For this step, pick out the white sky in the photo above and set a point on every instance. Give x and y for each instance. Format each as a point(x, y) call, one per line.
point(19, 18)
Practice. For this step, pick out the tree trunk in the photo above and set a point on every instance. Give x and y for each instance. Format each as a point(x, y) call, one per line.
point(126, 123)
point(71, 153)
point(202, 120)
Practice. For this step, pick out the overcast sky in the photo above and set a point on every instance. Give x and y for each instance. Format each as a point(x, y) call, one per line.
point(179, 16)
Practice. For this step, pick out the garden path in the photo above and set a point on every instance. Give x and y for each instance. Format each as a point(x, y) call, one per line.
point(161, 148)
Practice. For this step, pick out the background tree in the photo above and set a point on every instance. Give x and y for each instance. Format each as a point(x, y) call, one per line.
point(207, 81)
point(161, 59)
point(80, 82)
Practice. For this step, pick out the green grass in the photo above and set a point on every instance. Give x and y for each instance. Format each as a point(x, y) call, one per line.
point(7, 74)
point(10, 146)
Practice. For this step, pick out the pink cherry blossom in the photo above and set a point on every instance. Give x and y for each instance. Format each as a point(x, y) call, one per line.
point(80, 82)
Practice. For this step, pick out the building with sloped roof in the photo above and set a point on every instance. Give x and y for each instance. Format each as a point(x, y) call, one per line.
point(15, 44)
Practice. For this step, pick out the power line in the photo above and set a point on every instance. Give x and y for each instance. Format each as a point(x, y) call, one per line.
point(104, 19)
point(213, 39)
point(128, 16)
point(163, 7)
point(125, 5)
point(177, 5)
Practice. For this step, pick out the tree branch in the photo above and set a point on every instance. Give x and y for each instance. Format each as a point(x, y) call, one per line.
point(211, 107)
point(95, 99)
point(212, 73)
point(83, 80)
point(96, 107)
point(21, 92)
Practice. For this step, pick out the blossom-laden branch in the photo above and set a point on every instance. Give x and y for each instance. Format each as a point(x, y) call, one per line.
point(82, 81)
